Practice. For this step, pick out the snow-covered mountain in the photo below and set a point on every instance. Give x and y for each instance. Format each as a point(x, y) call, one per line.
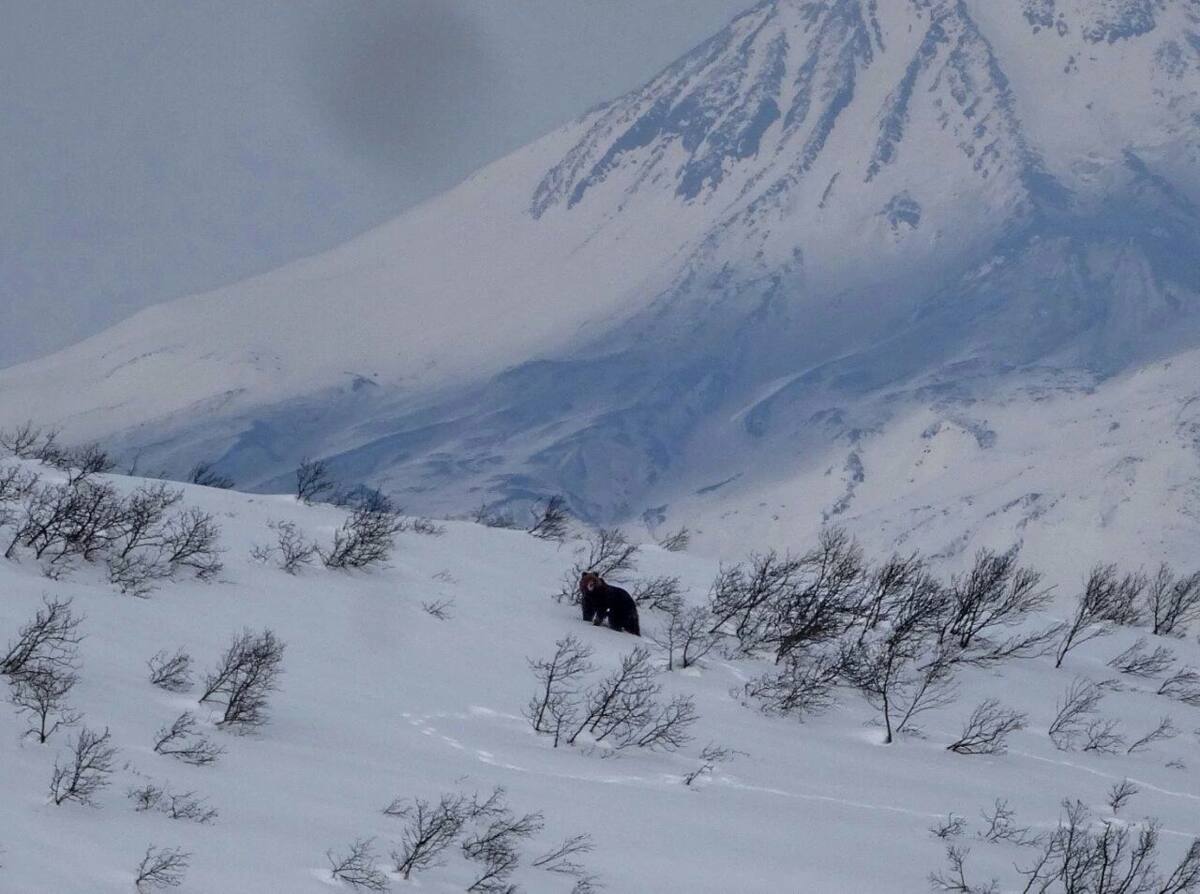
point(828, 220)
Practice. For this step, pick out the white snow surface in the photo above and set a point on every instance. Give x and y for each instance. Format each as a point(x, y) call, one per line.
point(380, 700)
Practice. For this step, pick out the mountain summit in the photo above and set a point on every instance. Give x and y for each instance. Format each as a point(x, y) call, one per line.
point(826, 216)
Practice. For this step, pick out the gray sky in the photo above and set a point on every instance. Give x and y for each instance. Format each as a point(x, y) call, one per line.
point(154, 148)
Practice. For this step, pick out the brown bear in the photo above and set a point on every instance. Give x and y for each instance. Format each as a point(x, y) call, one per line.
point(601, 600)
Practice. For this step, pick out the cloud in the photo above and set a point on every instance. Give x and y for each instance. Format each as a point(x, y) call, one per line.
point(402, 83)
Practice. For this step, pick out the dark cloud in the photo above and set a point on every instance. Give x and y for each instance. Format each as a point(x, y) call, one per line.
point(404, 83)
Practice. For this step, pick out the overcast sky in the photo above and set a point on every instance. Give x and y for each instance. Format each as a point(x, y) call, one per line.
point(155, 148)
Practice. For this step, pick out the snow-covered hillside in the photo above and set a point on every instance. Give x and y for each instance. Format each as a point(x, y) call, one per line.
point(832, 209)
point(381, 700)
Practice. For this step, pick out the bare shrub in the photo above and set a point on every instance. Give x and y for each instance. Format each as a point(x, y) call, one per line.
point(174, 805)
point(161, 868)
point(786, 604)
point(953, 879)
point(430, 829)
point(206, 475)
point(16, 484)
point(550, 519)
point(358, 867)
point(742, 597)
point(1183, 686)
point(312, 480)
point(427, 527)
point(1137, 661)
point(658, 594)
point(677, 541)
point(800, 687)
point(488, 517)
point(50, 640)
point(1120, 794)
point(687, 637)
point(171, 671)
point(1165, 730)
point(1083, 856)
point(83, 462)
point(987, 729)
point(953, 826)
point(559, 679)
point(710, 756)
point(137, 575)
point(291, 552)
point(1075, 712)
point(183, 741)
point(561, 857)
point(610, 554)
point(1103, 736)
point(247, 673)
point(994, 596)
point(365, 539)
point(1001, 826)
point(22, 441)
point(1172, 603)
point(41, 694)
point(902, 675)
point(1090, 619)
point(190, 541)
point(87, 770)
point(494, 847)
point(623, 709)
point(439, 608)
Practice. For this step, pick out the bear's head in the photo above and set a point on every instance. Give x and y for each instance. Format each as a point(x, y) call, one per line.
point(589, 581)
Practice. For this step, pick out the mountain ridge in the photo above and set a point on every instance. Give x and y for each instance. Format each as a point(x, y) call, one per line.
point(824, 201)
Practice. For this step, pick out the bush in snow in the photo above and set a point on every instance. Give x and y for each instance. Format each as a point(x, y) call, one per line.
point(161, 868)
point(623, 709)
point(1171, 602)
point(431, 829)
point(291, 551)
point(135, 536)
point(710, 756)
point(550, 519)
point(171, 671)
point(174, 805)
point(1183, 685)
point(86, 770)
point(489, 834)
point(494, 848)
point(1083, 856)
point(365, 539)
point(205, 475)
point(183, 741)
point(312, 480)
point(247, 673)
point(49, 641)
point(677, 541)
point(664, 594)
point(41, 694)
point(687, 636)
point(1090, 620)
point(1139, 661)
point(559, 681)
point(987, 729)
point(358, 867)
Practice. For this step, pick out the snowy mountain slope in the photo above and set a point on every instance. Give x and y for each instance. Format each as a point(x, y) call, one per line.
point(825, 201)
point(380, 700)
